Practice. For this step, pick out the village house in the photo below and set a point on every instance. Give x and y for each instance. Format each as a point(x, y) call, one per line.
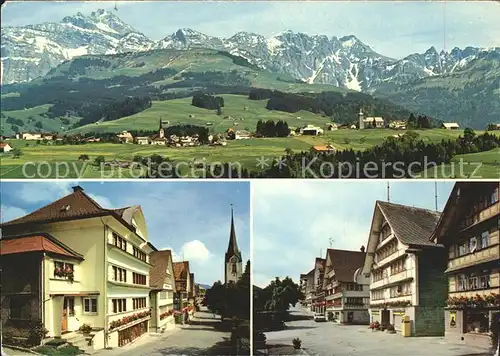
point(347, 290)
point(29, 136)
point(406, 269)
point(125, 137)
point(162, 282)
point(397, 125)
point(311, 130)
point(92, 139)
point(370, 121)
point(5, 147)
point(318, 302)
point(308, 288)
point(104, 283)
point(182, 284)
point(142, 140)
point(450, 126)
point(324, 149)
point(47, 265)
point(469, 230)
point(332, 127)
point(242, 135)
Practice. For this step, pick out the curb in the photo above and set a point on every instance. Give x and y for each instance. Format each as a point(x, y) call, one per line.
point(19, 349)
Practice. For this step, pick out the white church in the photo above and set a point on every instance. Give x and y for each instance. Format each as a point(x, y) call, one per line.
point(233, 261)
point(370, 121)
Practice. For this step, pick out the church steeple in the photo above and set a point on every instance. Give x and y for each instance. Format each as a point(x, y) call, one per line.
point(161, 131)
point(233, 260)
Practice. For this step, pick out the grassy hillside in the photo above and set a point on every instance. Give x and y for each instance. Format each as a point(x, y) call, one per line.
point(243, 152)
point(238, 109)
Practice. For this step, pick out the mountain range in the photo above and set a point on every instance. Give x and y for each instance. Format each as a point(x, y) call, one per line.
point(31, 51)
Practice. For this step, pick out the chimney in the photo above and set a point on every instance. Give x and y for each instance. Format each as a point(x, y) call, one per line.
point(362, 249)
point(77, 188)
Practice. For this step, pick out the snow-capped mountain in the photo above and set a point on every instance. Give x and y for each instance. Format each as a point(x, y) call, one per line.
point(31, 51)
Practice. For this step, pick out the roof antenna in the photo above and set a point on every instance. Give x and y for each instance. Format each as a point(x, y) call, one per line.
point(116, 7)
point(388, 193)
point(436, 194)
point(330, 240)
point(320, 252)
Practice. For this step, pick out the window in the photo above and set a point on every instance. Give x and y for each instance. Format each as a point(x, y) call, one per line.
point(119, 241)
point(473, 281)
point(484, 240)
point(401, 290)
point(233, 268)
point(461, 282)
point(463, 249)
point(139, 278)
point(385, 233)
point(377, 295)
point(494, 196)
point(90, 305)
point(139, 254)
point(20, 307)
point(386, 251)
point(473, 246)
point(139, 303)
point(63, 270)
point(398, 267)
point(119, 305)
point(354, 301)
point(119, 274)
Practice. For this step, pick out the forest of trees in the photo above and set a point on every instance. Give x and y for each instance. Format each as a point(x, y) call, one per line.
point(420, 122)
point(341, 107)
point(113, 111)
point(272, 129)
point(207, 101)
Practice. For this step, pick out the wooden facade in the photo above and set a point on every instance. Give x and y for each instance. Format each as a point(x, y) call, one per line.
point(469, 230)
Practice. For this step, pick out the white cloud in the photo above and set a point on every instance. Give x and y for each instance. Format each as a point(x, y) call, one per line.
point(45, 192)
point(175, 256)
point(195, 251)
point(103, 201)
point(8, 213)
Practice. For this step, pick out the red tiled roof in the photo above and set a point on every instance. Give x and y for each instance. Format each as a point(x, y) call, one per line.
point(3, 144)
point(35, 243)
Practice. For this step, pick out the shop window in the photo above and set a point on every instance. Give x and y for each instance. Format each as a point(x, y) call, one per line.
point(477, 322)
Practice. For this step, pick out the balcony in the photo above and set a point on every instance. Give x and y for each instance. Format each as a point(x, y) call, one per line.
point(485, 255)
point(392, 279)
point(388, 259)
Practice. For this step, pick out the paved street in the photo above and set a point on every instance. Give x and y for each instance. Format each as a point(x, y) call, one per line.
point(193, 339)
point(327, 338)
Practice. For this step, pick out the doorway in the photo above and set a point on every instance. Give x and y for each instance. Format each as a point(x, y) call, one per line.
point(386, 317)
point(68, 310)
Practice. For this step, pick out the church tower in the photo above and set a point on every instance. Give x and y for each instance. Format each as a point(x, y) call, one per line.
point(161, 131)
point(233, 261)
point(361, 117)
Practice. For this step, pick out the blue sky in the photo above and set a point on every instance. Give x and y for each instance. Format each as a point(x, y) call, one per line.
point(192, 218)
point(389, 27)
point(294, 220)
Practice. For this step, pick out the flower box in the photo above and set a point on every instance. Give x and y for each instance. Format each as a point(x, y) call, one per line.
point(128, 319)
point(476, 301)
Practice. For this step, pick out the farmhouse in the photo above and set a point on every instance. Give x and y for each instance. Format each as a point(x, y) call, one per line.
point(450, 126)
point(182, 278)
point(5, 147)
point(242, 135)
point(346, 289)
point(322, 149)
point(406, 269)
point(397, 125)
point(469, 231)
point(125, 137)
point(29, 136)
point(142, 140)
point(311, 130)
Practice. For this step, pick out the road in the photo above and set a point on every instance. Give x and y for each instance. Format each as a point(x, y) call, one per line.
point(328, 338)
point(194, 339)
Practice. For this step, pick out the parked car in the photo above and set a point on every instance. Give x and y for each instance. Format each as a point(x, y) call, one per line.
point(319, 317)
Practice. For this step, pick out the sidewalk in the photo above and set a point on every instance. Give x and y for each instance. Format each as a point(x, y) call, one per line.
point(143, 340)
